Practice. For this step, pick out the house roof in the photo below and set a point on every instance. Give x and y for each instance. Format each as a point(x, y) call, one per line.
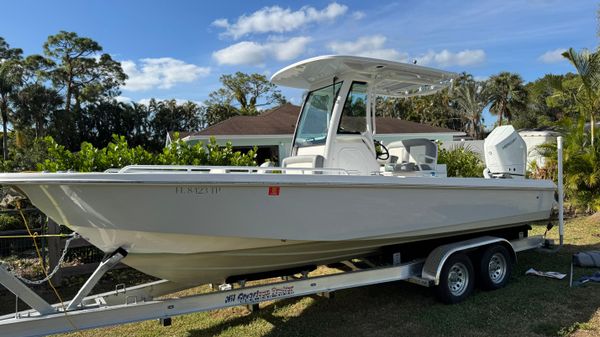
point(277, 121)
point(282, 121)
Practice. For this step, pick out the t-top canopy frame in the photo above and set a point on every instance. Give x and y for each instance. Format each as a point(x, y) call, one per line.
point(385, 78)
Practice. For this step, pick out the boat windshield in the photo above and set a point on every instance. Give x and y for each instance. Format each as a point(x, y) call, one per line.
point(316, 116)
point(354, 114)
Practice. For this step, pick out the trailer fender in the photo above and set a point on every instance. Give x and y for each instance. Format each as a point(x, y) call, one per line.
point(436, 259)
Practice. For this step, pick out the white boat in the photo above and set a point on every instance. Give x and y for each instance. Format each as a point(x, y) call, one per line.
point(332, 200)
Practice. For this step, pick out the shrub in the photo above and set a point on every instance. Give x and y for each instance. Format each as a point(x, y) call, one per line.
point(581, 166)
point(118, 154)
point(183, 153)
point(9, 222)
point(461, 162)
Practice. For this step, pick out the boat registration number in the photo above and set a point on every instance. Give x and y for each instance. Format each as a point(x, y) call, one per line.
point(198, 190)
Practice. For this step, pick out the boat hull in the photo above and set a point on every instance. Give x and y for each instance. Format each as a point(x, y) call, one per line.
point(203, 228)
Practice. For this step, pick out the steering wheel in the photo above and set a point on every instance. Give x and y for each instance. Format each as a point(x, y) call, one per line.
point(381, 152)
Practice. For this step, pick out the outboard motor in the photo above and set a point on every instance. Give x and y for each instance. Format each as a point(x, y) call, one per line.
point(505, 154)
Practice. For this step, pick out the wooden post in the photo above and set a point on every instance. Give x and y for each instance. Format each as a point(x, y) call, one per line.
point(54, 251)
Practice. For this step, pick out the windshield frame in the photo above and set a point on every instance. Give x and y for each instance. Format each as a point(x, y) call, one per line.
point(302, 117)
point(348, 106)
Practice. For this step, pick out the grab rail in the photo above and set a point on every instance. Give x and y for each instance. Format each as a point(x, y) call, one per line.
point(229, 169)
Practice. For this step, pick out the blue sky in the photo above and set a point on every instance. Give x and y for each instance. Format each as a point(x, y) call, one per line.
point(178, 49)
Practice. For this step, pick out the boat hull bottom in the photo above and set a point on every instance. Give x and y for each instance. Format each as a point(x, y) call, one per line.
point(215, 267)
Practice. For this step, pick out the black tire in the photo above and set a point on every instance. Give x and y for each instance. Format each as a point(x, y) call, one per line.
point(495, 267)
point(457, 279)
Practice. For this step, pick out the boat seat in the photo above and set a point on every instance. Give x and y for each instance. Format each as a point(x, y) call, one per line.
point(422, 152)
point(303, 161)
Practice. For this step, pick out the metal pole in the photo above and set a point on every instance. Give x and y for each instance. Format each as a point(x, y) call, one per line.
point(103, 267)
point(561, 195)
point(10, 282)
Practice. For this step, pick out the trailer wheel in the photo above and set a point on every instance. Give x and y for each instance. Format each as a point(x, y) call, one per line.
point(456, 279)
point(495, 267)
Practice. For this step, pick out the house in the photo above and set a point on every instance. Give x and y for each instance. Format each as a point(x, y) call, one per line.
point(272, 132)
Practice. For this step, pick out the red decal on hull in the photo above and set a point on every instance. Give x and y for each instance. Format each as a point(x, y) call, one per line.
point(274, 190)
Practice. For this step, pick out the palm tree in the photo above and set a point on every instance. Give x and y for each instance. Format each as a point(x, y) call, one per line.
point(507, 95)
point(587, 65)
point(9, 83)
point(581, 169)
point(471, 98)
point(463, 78)
point(10, 80)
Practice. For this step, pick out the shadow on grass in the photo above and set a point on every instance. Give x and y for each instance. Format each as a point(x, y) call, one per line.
point(350, 313)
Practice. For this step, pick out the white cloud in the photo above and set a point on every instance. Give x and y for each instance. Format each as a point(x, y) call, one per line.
point(446, 58)
point(123, 99)
point(222, 23)
point(374, 46)
point(357, 15)
point(553, 56)
point(254, 53)
point(245, 52)
point(368, 46)
point(290, 49)
point(279, 20)
point(162, 73)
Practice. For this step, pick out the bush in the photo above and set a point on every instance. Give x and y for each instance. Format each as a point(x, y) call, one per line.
point(581, 166)
point(118, 154)
point(9, 222)
point(182, 153)
point(461, 162)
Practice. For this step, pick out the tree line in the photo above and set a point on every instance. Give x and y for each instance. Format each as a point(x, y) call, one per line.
point(536, 104)
point(71, 92)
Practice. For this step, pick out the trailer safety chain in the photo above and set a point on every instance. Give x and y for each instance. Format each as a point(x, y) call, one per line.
point(53, 272)
point(37, 250)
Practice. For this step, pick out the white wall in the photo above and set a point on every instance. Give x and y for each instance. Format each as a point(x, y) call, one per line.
point(533, 139)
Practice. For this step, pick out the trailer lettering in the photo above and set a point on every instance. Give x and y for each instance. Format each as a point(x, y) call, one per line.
point(283, 291)
point(260, 295)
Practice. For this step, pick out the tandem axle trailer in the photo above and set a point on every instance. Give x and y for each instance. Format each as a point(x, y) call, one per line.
point(448, 268)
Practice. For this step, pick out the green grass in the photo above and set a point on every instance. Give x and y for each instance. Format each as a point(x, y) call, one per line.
point(528, 306)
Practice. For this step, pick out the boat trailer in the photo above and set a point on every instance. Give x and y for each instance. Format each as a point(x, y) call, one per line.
point(139, 303)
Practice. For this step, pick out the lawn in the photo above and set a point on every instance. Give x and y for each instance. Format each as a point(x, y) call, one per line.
point(528, 306)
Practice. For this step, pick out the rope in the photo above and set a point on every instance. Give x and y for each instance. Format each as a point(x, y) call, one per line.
point(36, 235)
point(37, 250)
